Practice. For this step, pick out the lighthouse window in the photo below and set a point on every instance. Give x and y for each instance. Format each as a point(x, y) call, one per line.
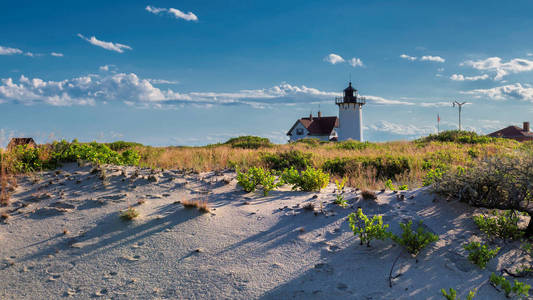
point(299, 131)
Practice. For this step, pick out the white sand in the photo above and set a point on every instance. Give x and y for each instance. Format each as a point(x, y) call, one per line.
point(269, 248)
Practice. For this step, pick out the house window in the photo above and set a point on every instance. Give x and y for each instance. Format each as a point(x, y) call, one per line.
point(299, 131)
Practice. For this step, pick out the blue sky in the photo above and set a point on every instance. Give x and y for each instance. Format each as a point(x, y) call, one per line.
point(199, 72)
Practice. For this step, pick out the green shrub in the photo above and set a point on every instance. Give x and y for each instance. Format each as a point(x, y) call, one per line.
point(122, 145)
point(352, 145)
point(255, 177)
point(28, 159)
point(456, 136)
point(310, 142)
point(480, 254)
point(518, 289)
point(129, 214)
point(368, 229)
point(500, 182)
point(309, 180)
point(386, 166)
point(432, 176)
point(94, 152)
point(339, 197)
point(502, 225)
point(249, 180)
point(285, 160)
point(453, 294)
point(414, 241)
point(290, 176)
point(249, 142)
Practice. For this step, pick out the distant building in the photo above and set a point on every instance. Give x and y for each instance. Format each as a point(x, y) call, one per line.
point(21, 142)
point(322, 128)
point(514, 132)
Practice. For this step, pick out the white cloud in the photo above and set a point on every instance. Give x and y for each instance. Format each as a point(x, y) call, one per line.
point(356, 62)
point(432, 58)
point(440, 70)
point(178, 14)
point(529, 54)
point(495, 64)
point(181, 15)
point(56, 54)
point(31, 54)
point(333, 58)
point(513, 91)
point(128, 88)
point(162, 81)
point(460, 77)
point(401, 129)
point(108, 68)
point(9, 51)
point(411, 58)
point(155, 10)
point(106, 45)
point(12, 51)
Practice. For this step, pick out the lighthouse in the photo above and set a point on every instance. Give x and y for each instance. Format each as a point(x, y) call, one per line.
point(350, 115)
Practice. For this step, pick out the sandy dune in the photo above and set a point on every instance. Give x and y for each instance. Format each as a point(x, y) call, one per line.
point(65, 239)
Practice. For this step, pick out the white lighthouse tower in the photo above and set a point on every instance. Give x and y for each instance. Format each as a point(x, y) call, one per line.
point(350, 115)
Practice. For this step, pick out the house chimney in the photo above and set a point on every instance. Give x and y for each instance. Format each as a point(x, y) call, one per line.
point(311, 116)
point(319, 114)
point(526, 127)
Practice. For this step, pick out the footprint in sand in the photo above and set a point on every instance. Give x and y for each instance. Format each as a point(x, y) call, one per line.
point(101, 293)
point(138, 245)
point(58, 268)
point(324, 267)
point(132, 258)
point(71, 292)
point(54, 277)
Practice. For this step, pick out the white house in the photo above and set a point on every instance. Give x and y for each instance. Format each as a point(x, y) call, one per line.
point(322, 128)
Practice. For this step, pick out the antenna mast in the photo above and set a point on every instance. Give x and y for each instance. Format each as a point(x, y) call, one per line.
point(460, 105)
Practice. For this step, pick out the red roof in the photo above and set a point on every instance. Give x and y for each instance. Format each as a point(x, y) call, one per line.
point(513, 132)
point(318, 125)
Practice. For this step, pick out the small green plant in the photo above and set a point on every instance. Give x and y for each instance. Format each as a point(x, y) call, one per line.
point(339, 194)
point(129, 214)
point(414, 241)
point(255, 177)
point(368, 229)
point(480, 254)
point(402, 187)
point(389, 185)
point(432, 176)
point(518, 288)
point(452, 295)
point(500, 225)
point(309, 180)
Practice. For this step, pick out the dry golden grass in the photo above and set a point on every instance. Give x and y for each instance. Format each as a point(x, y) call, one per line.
point(201, 204)
point(220, 157)
point(8, 182)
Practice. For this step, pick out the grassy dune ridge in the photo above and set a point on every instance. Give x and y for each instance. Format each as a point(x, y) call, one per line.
point(365, 165)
